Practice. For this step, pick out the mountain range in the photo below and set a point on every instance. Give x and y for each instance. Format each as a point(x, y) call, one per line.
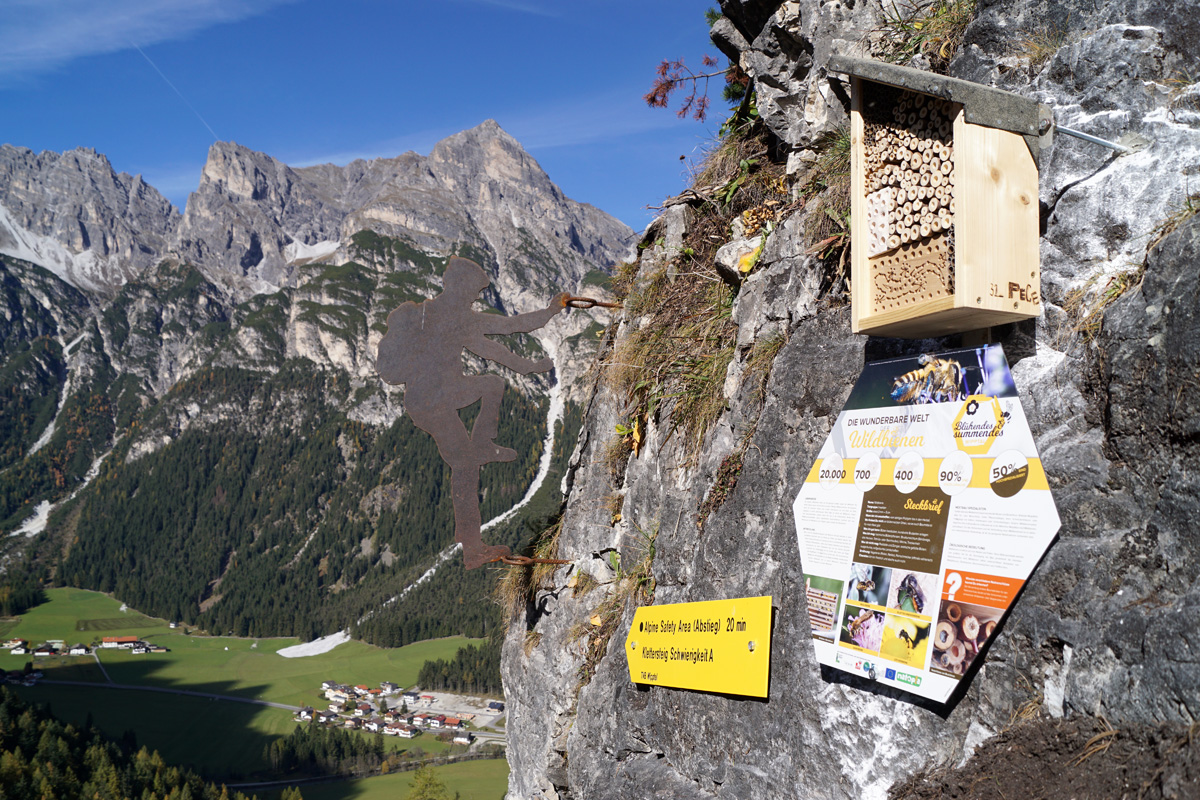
point(191, 417)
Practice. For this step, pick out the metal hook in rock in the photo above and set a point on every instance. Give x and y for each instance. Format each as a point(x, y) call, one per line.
point(526, 561)
point(587, 302)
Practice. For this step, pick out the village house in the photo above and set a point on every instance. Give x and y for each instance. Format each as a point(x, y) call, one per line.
point(362, 689)
point(408, 731)
point(362, 709)
point(427, 699)
point(19, 650)
point(305, 713)
point(337, 694)
point(79, 650)
point(421, 719)
point(11, 643)
point(327, 685)
point(45, 650)
point(463, 737)
point(411, 697)
point(438, 721)
point(388, 687)
point(326, 716)
point(353, 723)
point(373, 724)
point(118, 641)
point(453, 723)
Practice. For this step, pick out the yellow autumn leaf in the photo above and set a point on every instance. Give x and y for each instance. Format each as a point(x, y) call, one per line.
point(747, 262)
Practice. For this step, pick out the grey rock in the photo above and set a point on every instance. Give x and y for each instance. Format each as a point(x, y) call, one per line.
point(1106, 622)
point(728, 39)
point(73, 214)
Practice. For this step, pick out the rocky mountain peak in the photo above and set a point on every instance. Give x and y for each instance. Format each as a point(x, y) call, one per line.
point(73, 213)
point(253, 219)
point(244, 174)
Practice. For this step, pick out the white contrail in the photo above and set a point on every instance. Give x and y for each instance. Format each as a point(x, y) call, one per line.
point(181, 97)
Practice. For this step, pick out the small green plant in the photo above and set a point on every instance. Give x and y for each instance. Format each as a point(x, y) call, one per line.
point(730, 189)
point(933, 29)
point(723, 484)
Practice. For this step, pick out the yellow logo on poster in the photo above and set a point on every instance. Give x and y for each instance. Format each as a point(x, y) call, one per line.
point(711, 646)
point(978, 423)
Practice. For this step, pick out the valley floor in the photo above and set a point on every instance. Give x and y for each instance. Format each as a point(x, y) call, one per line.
point(215, 703)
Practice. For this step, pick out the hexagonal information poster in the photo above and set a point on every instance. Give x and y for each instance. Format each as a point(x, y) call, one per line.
point(922, 518)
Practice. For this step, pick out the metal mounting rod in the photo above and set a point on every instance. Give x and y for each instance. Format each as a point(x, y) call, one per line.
point(1087, 137)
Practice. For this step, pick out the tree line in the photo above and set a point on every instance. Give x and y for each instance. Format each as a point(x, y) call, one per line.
point(40, 757)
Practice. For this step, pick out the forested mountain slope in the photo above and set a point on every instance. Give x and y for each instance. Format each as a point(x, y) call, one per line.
point(197, 427)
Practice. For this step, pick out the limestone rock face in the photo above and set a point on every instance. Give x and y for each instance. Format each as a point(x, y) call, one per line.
point(1106, 624)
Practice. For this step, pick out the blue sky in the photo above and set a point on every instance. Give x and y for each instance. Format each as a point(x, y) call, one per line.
point(151, 83)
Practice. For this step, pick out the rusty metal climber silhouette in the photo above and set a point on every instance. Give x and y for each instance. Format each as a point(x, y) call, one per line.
point(423, 350)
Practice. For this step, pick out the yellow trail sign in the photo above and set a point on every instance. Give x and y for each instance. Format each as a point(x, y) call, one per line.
point(711, 646)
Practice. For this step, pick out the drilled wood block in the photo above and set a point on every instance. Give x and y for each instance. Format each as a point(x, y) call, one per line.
point(944, 217)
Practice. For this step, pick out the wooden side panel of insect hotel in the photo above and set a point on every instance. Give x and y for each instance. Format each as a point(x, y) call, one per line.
point(944, 217)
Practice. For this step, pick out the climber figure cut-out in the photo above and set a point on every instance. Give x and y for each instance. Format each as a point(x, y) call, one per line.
point(423, 350)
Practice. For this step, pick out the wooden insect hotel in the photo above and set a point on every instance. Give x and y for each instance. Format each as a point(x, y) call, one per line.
point(944, 202)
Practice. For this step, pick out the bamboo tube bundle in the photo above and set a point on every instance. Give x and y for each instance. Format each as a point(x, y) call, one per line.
point(909, 173)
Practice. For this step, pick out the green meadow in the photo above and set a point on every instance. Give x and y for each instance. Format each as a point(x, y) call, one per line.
point(219, 738)
point(472, 780)
point(219, 664)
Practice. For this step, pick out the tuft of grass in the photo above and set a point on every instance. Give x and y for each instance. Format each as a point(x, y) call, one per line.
point(827, 198)
point(613, 504)
point(584, 583)
point(1098, 743)
point(1086, 307)
point(762, 357)
point(518, 585)
point(1188, 209)
point(1088, 314)
point(635, 584)
point(532, 640)
point(622, 278)
point(1040, 44)
point(614, 455)
point(934, 29)
point(670, 364)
